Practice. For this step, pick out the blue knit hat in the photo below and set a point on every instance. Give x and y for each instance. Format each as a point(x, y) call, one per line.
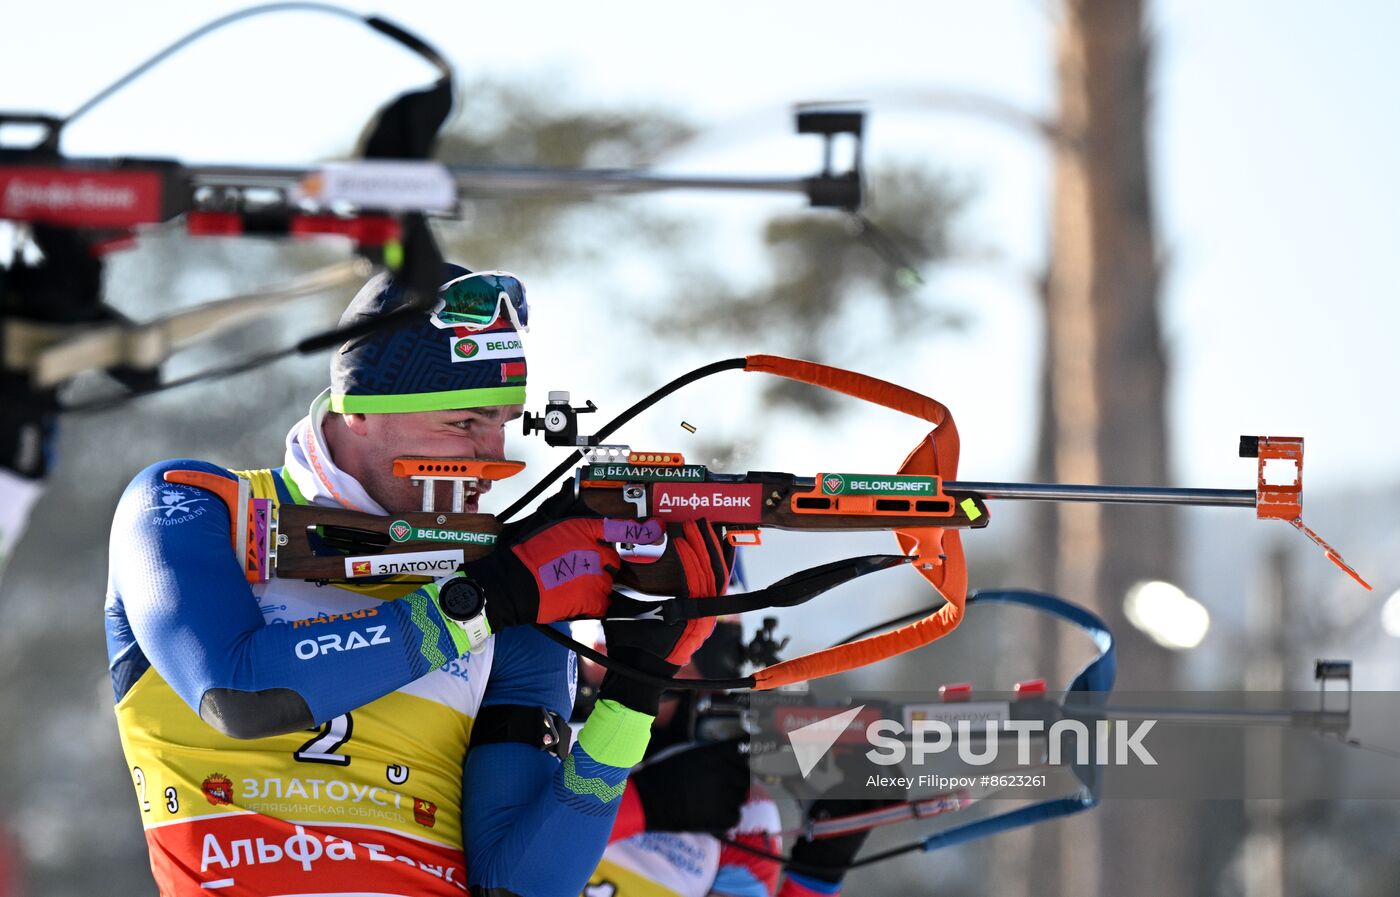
point(424, 365)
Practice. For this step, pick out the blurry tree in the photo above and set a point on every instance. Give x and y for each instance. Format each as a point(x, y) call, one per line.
point(1105, 412)
point(826, 266)
point(1106, 364)
point(834, 271)
point(523, 125)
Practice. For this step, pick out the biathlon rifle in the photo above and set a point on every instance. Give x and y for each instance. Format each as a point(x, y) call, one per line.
point(923, 503)
point(1086, 698)
point(54, 325)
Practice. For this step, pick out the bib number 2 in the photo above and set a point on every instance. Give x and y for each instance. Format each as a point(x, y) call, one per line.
point(329, 738)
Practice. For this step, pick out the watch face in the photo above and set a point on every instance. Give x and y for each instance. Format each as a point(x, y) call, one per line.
point(461, 599)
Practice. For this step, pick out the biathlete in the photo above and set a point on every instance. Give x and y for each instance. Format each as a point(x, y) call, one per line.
point(350, 737)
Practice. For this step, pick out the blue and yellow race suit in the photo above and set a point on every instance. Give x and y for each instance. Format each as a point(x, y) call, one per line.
point(370, 788)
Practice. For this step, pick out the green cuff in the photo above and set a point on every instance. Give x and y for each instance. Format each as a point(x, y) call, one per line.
point(616, 735)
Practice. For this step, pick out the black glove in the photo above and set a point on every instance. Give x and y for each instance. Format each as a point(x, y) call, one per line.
point(699, 789)
point(829, 859)
point(637, 644)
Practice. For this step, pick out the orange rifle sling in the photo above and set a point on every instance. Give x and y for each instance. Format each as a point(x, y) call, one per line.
point(940, 551)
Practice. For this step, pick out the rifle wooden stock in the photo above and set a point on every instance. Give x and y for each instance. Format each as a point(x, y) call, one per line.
point(314, 542)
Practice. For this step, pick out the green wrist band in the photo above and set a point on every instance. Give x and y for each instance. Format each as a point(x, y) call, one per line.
point(615, 735)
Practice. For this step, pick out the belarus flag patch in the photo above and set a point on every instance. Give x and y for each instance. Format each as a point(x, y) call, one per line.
point(512, 372)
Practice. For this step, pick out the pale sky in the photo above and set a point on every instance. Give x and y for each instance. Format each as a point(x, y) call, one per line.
point(1274, 141)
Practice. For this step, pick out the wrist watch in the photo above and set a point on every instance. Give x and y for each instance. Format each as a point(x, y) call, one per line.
point(463, 601)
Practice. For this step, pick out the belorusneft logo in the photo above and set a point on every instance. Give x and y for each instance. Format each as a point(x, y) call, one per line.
point(485, 348)
point(403, 531)
point(877, 484)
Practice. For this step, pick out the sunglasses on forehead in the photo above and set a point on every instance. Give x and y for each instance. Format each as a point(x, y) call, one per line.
point(473, 301)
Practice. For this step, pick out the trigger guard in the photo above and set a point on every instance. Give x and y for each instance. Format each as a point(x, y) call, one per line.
point(642, 555)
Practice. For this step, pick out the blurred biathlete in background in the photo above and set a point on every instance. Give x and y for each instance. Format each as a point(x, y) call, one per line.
point(28, 416)
point(349, 737)
point(692, 823)
point(25, 443)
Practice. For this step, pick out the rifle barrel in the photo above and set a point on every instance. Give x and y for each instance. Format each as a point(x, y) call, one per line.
point(1142, 495)
point(471, 180)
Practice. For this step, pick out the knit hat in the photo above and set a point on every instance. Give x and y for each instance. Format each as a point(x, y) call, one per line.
point(426, 364)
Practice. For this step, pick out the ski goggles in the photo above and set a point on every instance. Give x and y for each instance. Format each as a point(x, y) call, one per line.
point(473, 301)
